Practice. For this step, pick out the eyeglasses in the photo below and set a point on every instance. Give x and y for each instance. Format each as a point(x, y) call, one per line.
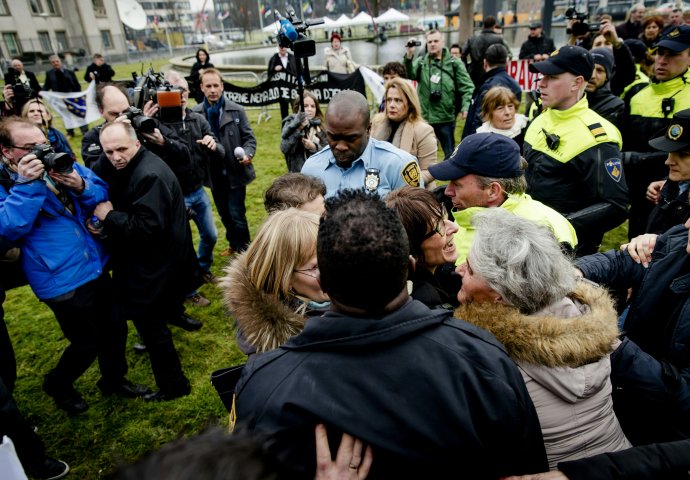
point(25, 147)
point(312, 272)
point(440, 227)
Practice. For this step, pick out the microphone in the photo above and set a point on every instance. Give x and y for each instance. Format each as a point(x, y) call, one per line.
point(239, 153)
point(287, 29)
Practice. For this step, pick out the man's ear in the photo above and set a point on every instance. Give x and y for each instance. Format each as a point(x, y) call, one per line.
point(495, 190)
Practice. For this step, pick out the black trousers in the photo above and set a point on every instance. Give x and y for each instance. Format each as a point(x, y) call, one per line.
point(89, 322)
point(153, 328)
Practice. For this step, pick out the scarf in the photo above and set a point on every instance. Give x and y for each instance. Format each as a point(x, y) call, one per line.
point(213, 114)
point(514, 131)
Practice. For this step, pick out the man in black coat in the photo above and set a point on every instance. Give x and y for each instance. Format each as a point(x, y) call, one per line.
point(538, 46)
point(61, 79)
point(598, 87)
point(475, 48)
point(99, 70)
point(429, 393)
point(146, 225)
point(25, 86)
point(283, 61)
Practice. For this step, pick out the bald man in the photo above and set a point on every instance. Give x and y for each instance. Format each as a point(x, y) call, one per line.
point(352, 159)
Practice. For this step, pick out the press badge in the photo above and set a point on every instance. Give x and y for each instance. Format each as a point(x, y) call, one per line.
point(435, 78)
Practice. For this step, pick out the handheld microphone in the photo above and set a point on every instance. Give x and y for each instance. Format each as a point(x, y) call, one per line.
point(287, 30)
point(239, 153)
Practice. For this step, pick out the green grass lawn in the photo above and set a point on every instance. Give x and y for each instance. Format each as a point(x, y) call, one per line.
point(116, 430)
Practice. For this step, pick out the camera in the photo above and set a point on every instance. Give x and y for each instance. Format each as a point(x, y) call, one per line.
point(291, 35)
point(56, 162)
point(435, 95)
point(413, 43)
point(140, 122)
point(580, 27)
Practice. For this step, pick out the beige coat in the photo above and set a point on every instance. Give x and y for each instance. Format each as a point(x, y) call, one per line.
point(563, 355)
point(339, 61)
point(417, 138)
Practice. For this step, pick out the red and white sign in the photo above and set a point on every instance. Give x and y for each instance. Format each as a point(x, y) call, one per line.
point(519, 70)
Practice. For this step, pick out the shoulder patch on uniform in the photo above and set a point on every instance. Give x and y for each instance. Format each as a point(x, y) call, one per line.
point(411, 174)
point(613, 168)
point(597, 130)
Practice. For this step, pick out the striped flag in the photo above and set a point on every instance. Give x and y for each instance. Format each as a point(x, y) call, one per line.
point(75, 108)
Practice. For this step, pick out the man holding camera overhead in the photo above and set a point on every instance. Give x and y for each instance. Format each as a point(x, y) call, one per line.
point(20, 86)
point(45, 201)
point(443, 85)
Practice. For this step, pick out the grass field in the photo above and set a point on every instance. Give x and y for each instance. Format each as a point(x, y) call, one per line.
point(116, 430)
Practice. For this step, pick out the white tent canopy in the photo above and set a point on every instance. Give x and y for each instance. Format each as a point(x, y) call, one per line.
point(272, 27)
point(327, 24)
point(341, 21)
point(391, 16)
point(362, 18)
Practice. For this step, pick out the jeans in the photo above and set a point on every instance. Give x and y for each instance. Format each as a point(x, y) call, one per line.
point(203, 218)
point(445, 133)
point(230, 205)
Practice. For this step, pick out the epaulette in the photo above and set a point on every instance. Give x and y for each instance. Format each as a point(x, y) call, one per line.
point(597, 130)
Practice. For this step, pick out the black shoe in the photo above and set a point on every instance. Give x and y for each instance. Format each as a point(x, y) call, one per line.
point(187, 323)
point(123, 388)
point(66, 398)
point(208, 277)
point(161, 396)
point(140, 347)
point(50, 469)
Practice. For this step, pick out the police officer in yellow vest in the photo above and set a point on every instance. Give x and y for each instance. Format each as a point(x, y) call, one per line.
point(573, 154)
point(649, 111)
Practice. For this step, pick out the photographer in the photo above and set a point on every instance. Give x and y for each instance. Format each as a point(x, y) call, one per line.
point(579, 31)
point(303, 134)
point(443, 86)
point(99, 71)
point(45, 197)
point(22, 87)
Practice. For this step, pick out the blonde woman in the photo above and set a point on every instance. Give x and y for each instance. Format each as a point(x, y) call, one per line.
point(272, 287)
point(37, 112)
point(402, 124)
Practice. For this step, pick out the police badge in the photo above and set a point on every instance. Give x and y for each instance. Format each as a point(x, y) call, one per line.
point(372, 179)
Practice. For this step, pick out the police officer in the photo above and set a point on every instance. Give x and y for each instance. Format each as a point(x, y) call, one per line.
point(573, 153)
point(353, 159)
point(650, 110)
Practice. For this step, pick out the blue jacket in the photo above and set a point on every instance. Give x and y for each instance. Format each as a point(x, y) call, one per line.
point(496, 77)
point(58, 252)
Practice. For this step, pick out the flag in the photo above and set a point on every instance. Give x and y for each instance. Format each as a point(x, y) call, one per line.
point(307, 10)
point(75, 108)
point(355, 7)
point(330, 5)
point(265, 10)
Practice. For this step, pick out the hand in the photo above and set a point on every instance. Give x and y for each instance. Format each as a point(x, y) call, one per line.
point(8, 92)
point(155, 137)
point(609, 32)
point(278, 68)
point(554, 475)
point(92, 230)
point(410, 52)
point(150, 109)
point(92, 76)
point(102, 210)
point(309, 145)
point(348, 463)
point(464, 115)
point(208, 142)
point(30, 167)
point(653, 193)
point(247, 160)
point(641, 248)
point(72, 180)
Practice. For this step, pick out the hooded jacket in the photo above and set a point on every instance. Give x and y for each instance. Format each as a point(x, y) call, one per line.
point(563, 355)
point(606, 103)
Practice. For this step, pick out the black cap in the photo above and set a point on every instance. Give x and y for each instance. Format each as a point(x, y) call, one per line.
point(675, 39)
point(676, 136)
point(485, 154)
point(535, 25)
point(572, 59)
point(496, 54)
point(604, 56)
point(637, 48)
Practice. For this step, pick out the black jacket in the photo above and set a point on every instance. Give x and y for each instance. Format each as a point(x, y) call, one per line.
point(195, 174)
point(651, 370)
point(12, 76)
point(149, 236)
point(607, 104)
point(536, 45)
point(104, 73)
point(496, 77)
point(629, 30)
point(625, 69)
point(62, 80)
point(474, 50)
point(672, 209)
point(291, 67)
point(430, 394)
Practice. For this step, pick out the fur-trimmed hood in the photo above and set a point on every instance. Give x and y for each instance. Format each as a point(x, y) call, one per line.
point(264, 320)
point(550, 340)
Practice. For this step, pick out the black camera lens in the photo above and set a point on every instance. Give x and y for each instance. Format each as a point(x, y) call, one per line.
point(55, 162)
point(140, 122)
point(435, 96)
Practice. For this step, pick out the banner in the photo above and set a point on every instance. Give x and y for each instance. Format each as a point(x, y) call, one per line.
point(283, 86)
point(519, 70)
point(75, 108)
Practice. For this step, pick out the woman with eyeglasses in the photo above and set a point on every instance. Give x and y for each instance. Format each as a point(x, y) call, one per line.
point(430, 235)
point(273, 287)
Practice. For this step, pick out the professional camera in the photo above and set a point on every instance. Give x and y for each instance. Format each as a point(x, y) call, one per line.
point(152, 86)
point(56, 162)
point(291, 35)
point(413, 43)
point(580, 26)
point(140, 122)
point(435, 95)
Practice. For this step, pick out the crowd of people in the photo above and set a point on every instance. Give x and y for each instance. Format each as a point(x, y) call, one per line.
point(393, 328)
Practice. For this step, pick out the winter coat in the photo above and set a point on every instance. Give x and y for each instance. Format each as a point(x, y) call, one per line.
point(149, 236)
point(274, 61)
point(474, 50)
point(339, 61)
point(496, 77)
point(536, 45)
point(62, 80)
point(563, 355)
point(607, 104)
point(104, 73)
point(291, 141)
point(429, 393)
point(194, 79)
point(673, 208)
point(235, 131)
point(416, 138)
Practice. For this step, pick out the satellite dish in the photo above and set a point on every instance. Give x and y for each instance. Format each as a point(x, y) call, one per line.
point(132, 14)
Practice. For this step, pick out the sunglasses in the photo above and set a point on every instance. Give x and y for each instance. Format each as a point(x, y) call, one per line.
point(440, 226)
